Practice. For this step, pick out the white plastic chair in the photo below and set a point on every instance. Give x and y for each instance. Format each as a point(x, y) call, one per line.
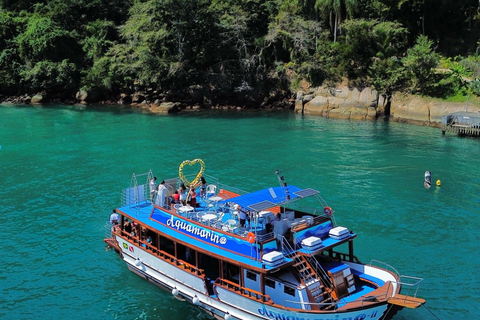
point(211, 190)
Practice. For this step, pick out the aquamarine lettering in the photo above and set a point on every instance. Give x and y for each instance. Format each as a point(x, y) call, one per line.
point(182, 225)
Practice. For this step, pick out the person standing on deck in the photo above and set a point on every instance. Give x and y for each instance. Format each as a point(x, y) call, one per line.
point(153, 188)
point(203, 187)
point(192, 197)
point(161, 194)
point(183, 196)
point(114, 217)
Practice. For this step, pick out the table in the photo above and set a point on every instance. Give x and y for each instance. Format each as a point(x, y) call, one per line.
point(185, 209)
point(209, 217)
point(215, 198)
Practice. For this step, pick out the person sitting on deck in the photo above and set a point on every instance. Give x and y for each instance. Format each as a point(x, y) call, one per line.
point(176, 197)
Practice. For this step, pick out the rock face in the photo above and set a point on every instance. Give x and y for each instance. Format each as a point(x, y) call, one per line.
point(415, 109)
point(38, 98)
point(340, 102)
point(343, 102)
point(81, 96)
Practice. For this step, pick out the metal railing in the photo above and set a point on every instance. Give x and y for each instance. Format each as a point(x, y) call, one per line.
point(411, 283)
point(243, 291)
point(317, 267)
point(383, 265)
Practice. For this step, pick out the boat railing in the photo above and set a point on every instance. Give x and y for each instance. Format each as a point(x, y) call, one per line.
point(345, 256)
point(407, 283)
point(180, 263)
point(410, 285)
point(162, 254)
point(265, 237)
point(264, 298)
point(386, 266)
point(108, 229)
point(302, 304)
point(317, 267)
point(220, 185)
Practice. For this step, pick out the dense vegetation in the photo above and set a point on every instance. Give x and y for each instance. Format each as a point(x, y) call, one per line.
point(236, 51)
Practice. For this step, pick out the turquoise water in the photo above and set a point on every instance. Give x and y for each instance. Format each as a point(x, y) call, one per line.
point(63, 169)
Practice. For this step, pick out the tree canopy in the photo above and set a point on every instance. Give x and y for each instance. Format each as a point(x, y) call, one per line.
point(233, 49)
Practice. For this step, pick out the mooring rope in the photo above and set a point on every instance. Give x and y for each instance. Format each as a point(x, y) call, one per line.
point(431, 312)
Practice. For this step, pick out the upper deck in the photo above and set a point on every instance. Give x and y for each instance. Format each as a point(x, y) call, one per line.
point(214, 225)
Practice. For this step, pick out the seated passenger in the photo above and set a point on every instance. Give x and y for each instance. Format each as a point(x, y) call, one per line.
point(176, 197)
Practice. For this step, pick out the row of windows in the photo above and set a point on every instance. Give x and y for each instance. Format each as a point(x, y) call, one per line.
point(271, 283)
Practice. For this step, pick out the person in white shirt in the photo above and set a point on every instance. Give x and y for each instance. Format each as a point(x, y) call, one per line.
point(114, 217)
point(160, 201)
point(153, 188)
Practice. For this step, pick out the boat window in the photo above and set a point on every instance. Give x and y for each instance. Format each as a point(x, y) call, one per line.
point(252, 276)
point(289, 290)
point(167, 246)
point(270, 283)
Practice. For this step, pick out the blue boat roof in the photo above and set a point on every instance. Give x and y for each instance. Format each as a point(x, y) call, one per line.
point(266, 198)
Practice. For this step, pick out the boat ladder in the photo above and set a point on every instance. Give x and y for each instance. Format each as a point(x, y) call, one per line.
point(313, 276)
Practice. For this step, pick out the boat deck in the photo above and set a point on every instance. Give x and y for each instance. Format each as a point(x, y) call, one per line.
point(147, 214)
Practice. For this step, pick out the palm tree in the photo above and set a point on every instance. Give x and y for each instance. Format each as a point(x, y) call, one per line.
point(335, 7)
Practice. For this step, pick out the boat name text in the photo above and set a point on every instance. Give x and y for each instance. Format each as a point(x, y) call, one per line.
point(355, 316)
point(194, 230)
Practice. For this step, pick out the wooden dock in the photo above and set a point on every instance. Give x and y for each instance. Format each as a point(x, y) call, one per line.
point(462, 123)
point(462, 130)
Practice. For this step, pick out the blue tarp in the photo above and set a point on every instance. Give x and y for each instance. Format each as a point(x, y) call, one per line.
point(273, 196)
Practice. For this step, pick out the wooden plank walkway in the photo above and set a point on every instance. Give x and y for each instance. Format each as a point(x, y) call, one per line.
point(406, 301)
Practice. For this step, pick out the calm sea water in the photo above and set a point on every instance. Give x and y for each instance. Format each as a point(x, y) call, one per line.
point(63, 168)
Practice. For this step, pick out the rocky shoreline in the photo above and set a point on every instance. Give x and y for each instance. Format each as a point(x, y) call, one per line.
point(339, 102)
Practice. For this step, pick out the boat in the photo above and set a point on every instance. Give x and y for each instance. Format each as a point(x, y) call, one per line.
point(274, 253)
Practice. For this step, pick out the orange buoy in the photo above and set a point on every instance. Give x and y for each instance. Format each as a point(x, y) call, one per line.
point(328, 211)
point(251, 237)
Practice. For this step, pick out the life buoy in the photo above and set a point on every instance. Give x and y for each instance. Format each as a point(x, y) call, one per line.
point(328, 211)
point(251, 237)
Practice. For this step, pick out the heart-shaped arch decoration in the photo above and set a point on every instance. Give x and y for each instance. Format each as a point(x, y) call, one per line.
point(191, 163)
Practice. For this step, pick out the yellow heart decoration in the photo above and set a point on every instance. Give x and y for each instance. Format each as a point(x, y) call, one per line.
point(191, 163)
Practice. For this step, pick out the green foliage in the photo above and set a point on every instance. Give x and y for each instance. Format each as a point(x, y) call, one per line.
point(418, 65)
point(49, 75)
point(239, 45)
point(44, 39)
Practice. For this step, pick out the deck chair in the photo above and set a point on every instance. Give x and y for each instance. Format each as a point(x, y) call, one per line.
point(211, 190)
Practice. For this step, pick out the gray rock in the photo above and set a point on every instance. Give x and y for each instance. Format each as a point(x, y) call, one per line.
point(81, 95)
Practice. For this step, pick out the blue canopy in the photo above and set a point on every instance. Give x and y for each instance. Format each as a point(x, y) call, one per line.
point(266, 198)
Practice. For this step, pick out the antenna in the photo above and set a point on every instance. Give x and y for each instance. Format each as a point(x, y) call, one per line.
point(283, 184)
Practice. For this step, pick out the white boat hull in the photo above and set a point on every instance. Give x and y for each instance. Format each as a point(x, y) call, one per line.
point(193, 289)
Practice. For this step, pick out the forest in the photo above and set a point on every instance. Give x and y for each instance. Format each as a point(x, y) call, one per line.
point(237, 51)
